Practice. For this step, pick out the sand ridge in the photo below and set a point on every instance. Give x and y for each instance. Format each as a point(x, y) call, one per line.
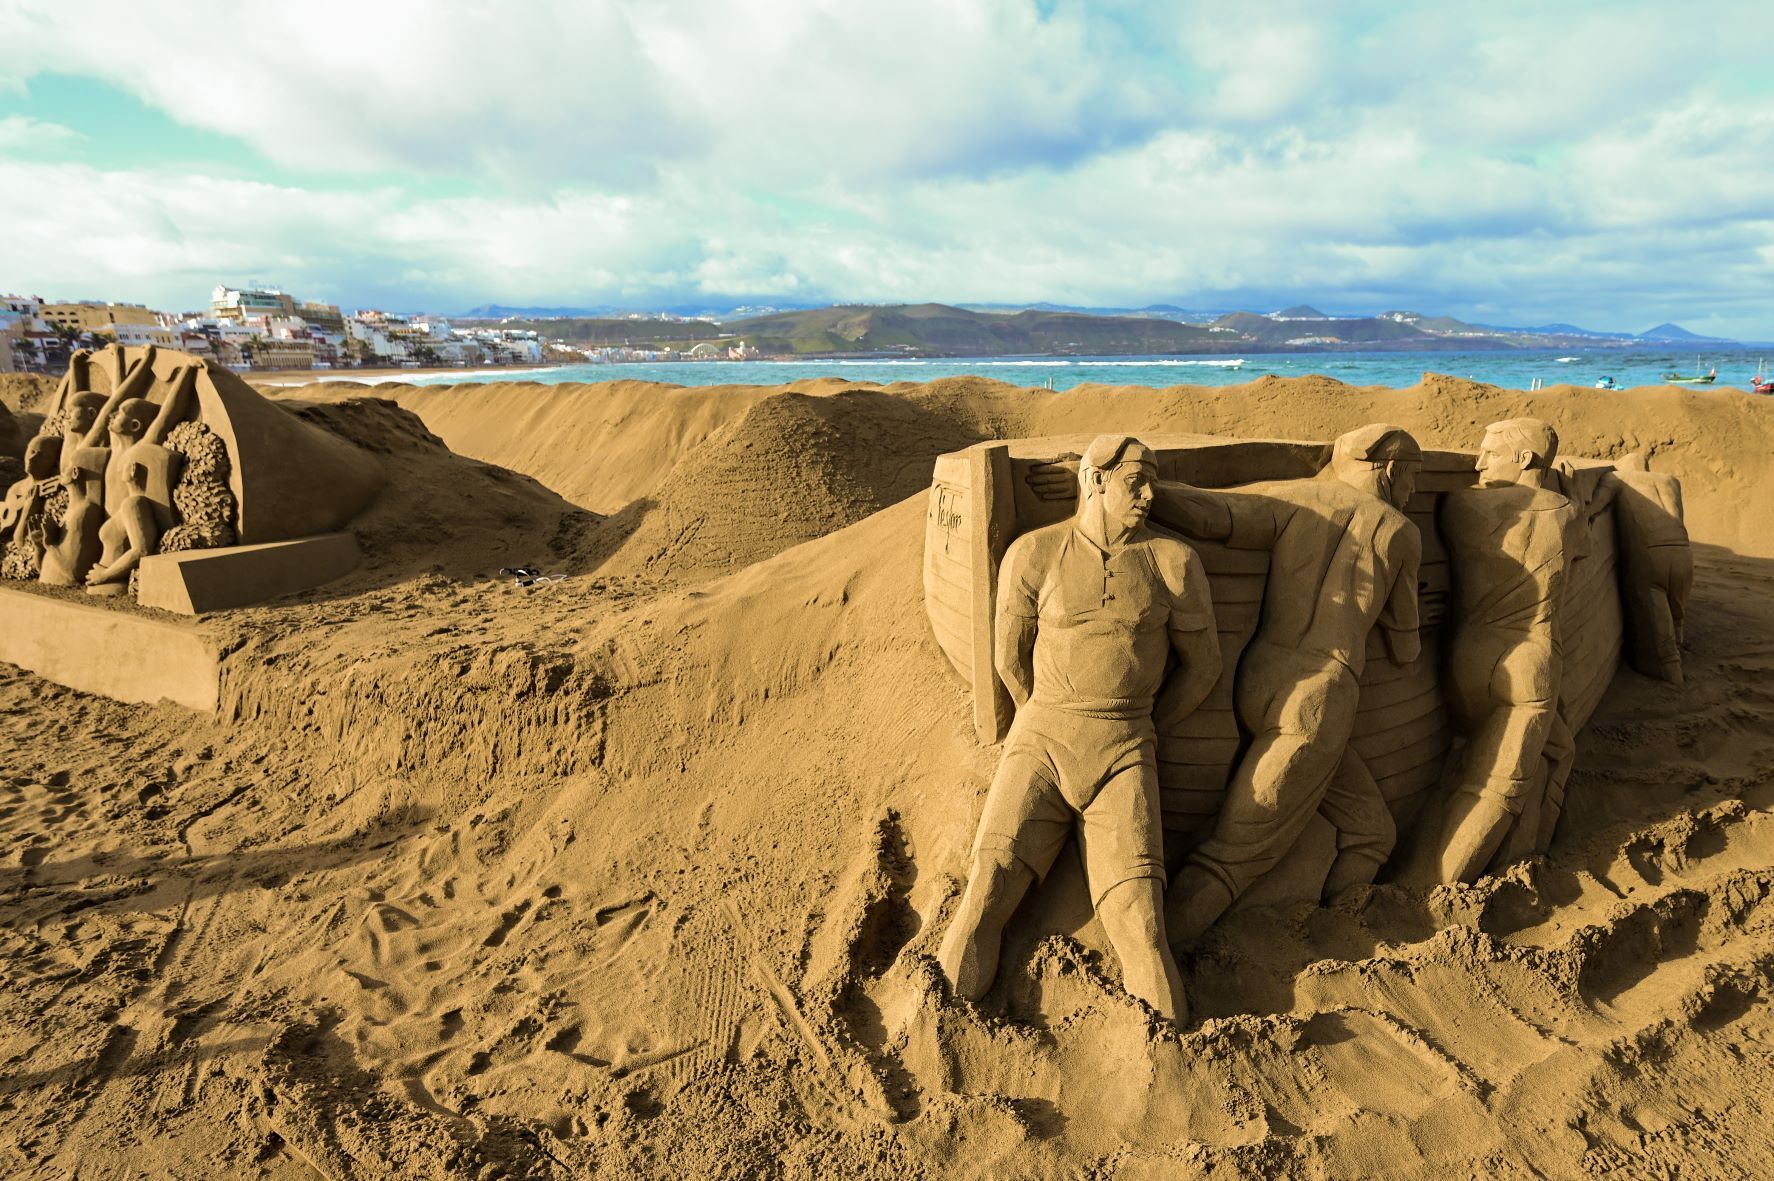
point(641, 873)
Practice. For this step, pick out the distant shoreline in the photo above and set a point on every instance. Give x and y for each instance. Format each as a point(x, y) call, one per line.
point(298, 377)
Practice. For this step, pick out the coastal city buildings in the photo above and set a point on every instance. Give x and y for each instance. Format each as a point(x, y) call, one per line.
point(262, 327)
point(257, 328)
point(96, 317)
point(26, 339)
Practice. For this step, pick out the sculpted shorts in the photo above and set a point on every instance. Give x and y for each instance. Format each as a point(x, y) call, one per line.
point(1062, 771)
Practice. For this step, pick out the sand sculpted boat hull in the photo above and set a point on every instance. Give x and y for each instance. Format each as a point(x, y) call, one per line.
point(983, 498)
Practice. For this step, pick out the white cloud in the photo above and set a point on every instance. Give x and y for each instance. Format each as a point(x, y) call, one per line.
point(1559, 160)
point(22, 131)
point(607, 91)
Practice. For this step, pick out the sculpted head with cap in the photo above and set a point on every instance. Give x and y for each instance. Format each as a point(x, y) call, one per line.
point(1115, 485)
point(1379, 459)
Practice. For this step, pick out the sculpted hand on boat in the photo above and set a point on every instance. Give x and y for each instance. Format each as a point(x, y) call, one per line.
point(1054, 479)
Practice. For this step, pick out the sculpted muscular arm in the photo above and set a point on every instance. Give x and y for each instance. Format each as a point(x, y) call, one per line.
point(1192, 635)
point(1013, 631)
point(135, 383)
point(1242, 520)
point(1191, 511)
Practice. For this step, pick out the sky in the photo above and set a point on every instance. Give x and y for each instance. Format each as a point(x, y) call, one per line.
point(1605, 164)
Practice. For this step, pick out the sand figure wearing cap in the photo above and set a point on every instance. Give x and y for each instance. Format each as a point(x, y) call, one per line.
point(1343, 561)
point(1510, 545)
point(1089, 611)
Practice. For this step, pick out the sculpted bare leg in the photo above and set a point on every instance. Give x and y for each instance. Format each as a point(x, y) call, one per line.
point(1085, 660)
point(1255, 829)
point(1278, 786)
point(1493, 790)
point(1365, 831)
point(969, 954)
point(1132, 915)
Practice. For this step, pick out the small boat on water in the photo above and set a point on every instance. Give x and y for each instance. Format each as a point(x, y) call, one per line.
point(1699, 378)
point(1605, 382)
point(1761, 383)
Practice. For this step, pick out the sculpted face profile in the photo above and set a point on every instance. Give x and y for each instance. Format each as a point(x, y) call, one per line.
point(1089, 611)
point(22, 514)
point(42, 459)
point(1343, 561)
point(83, 410)
point(1516, 451)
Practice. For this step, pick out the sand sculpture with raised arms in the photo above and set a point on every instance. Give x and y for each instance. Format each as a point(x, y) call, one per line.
point(1089, 610)
point(147, 455)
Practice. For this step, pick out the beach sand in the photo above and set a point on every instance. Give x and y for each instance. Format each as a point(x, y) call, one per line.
point(641, 873)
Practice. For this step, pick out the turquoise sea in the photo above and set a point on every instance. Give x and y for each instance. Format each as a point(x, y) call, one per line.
point(1514, 369)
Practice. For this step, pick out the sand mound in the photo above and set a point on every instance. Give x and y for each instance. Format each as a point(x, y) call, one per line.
point(609, 445)
point(601, 447)
point(12, 446)
point(793, 468)
point(440, 515)
point(700, 482)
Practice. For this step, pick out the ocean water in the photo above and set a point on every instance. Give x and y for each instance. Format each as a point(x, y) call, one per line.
point(1514, 369)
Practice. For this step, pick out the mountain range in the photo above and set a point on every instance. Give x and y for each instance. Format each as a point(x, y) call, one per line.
point(942, 330)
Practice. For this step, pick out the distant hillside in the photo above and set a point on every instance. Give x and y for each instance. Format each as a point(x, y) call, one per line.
point(1571, 330)
point(1152, 311)
point(934, 329)
point(1293, 329)
point(497, 311)
point(604, 332)
point(942, 330)
point(1675, 333)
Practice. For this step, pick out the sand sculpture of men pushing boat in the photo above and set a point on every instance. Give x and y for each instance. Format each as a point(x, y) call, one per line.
point(1511, 541)
point(1089, 611)
point(1343, 562)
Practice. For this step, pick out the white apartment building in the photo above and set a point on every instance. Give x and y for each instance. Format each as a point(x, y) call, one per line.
point(137, 335)
point(12, 334)
point(241, 303)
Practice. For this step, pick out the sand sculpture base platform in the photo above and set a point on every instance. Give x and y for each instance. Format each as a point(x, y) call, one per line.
point(197, 581)
point(99, 649)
